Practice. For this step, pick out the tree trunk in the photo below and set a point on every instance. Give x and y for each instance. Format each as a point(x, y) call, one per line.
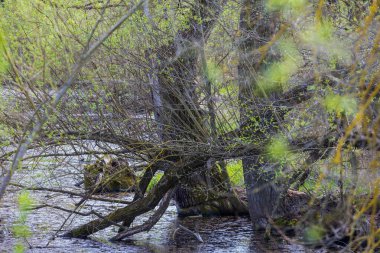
point(179, 116)
point(207, 193)
point(258, 121)
point(263, 194)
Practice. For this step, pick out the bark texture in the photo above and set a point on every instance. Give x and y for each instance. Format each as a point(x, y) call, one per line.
point(129, 212)
point(180, 117)
point(259, 121)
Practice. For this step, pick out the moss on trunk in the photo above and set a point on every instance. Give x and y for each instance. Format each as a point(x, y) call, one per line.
point(108, 175)
point(205, 193)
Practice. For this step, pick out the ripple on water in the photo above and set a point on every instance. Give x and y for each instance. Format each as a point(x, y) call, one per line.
point(220, 234)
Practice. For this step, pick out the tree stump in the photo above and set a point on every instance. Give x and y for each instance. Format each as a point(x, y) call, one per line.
point(109, 175)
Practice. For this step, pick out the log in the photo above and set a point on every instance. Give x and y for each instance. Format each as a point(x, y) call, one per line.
point(146, 226)
point(139, 207)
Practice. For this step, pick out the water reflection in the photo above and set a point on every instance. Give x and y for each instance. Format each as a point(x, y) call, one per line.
point(220, 234)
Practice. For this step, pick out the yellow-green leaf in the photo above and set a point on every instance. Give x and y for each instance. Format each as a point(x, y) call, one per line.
point(341, 104)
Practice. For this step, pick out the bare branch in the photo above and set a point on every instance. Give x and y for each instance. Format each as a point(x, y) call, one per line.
point(31, 135)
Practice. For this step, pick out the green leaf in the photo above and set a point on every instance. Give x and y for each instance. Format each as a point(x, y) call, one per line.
point(236, 173)
point(21, 231)
point(3, 60)
point(19, 248)
point(279, 73)
point(314, 233)
point(341, 104)
point(214, 73)
point(277, 76)
point(25, 201)
point(278, 149)
point(286, 4)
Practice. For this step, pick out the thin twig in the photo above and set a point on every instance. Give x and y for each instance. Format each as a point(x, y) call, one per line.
point(72, 193)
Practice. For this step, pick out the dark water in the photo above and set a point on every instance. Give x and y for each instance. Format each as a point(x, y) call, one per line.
point(222, 234)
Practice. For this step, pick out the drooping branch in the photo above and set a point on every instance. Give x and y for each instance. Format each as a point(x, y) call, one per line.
point(38, 121)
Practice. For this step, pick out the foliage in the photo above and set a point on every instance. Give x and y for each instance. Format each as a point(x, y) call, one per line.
point(3, 60)
point(236, 173)
point(181, 86)
point(278, 149)
point(341, 104)
point(314, 234)
point(20, 229)
point(283, 4)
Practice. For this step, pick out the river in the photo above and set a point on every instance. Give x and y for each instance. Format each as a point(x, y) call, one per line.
point(220, 234)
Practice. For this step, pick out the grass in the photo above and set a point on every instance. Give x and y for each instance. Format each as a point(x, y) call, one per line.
point(235, 172)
